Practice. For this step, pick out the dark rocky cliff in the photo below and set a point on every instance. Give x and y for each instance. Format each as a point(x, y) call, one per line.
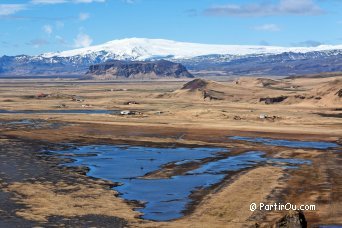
point(137, 70)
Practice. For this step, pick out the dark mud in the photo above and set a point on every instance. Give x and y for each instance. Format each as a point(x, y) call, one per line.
point(331, 115)
point(24, 161)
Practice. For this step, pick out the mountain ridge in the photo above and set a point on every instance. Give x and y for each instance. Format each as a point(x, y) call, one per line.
point(142, 49)
point(229, 59)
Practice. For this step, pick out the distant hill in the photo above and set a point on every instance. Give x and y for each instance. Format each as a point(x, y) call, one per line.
point(326, 92)
point(330, 93)
point(199, 89)
point(321, 75)
point(137, 70)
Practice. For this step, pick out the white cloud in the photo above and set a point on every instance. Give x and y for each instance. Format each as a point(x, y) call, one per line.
point(64, 1)
point(82, 40)
point(83, 16)
point(267, 27)
point(60, 40)
point(88, 1)
point(308, 43)
point(269, 8)
point(59, 24)
point(48, 1)
point(129, 1)
point(9, 9)
point(37, 43)
point(47, 29)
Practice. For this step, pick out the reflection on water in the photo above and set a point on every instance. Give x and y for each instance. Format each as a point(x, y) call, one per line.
point(60, 111)
point(233, 163)
point(30, 124)
point(164, 198)
point(288, 143)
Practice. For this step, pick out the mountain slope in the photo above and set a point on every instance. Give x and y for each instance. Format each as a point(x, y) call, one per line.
point(231, 59)
point(142, 49)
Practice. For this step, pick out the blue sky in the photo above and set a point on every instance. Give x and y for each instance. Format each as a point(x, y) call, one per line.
point(38, 26)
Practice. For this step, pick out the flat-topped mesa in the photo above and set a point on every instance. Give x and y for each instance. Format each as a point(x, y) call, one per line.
point(137, 70)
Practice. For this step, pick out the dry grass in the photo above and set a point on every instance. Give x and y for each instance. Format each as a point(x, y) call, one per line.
point(48, 199)
point(164, 116)
point(187, 109)
point(230, 206)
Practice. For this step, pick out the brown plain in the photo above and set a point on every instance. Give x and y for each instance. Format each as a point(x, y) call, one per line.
point(172, 115)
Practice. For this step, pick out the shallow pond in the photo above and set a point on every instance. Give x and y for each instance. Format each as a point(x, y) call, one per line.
point(287, 143)
point(60, 111)
point(164, 198)
point(30, 124)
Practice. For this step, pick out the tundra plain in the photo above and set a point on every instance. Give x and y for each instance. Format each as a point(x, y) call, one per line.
point(37, 190)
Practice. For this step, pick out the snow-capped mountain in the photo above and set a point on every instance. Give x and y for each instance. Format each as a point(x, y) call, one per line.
point(142, 49)
point(231, 59)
